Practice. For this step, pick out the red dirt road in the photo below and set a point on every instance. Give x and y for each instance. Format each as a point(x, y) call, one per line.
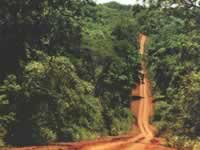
point(142, 135)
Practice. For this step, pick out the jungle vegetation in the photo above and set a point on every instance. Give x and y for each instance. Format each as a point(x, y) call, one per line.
point(67, 68)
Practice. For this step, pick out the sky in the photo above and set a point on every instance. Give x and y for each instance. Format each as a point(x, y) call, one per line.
point(127, 2)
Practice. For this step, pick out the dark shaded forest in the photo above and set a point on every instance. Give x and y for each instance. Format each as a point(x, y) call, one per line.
point(67, 68)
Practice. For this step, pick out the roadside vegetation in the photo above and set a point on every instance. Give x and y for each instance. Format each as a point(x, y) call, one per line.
point(67, 70)
point(173, 55)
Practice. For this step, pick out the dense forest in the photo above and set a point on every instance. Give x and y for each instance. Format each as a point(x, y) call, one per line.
point(67, 68)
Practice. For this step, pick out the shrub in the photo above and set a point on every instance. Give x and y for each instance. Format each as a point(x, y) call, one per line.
point(44, 136)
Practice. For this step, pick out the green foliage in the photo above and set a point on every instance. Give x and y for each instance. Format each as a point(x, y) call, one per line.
point(117, 6)
point(7, 115)
point(72, 71)
point(121, 121)
point(52, 97)
point(74, 64)
point(173, 64)
point(44, 136)
point(184, 143)
point(168, 3)
point(79, 133)
point(53, 26)
point(110, 61)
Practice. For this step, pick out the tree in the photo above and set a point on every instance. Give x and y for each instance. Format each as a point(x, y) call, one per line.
point(184, 3)
point(52, 103)
point(53, 26)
